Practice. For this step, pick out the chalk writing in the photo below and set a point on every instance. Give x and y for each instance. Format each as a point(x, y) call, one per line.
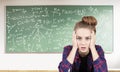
point(39, 29)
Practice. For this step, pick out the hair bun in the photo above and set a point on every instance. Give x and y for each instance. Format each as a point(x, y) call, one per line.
point(90, 20)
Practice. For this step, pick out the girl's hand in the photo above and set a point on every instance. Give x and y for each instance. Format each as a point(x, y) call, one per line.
point(92, 46)
point(93, 39)
point(72, 53)
point(74, 41)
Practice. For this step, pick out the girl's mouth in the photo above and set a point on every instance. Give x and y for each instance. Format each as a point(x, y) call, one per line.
point(83, 48)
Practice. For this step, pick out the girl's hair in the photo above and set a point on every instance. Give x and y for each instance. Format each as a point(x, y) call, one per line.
point(89, 22)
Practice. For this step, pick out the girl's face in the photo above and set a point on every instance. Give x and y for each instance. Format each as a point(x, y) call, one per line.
point(83, 37)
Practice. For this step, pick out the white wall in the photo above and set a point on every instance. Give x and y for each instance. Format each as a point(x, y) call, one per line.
point(51, 61)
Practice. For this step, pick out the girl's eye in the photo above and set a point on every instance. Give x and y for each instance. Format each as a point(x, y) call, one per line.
point(78, 38)
point(88, 38)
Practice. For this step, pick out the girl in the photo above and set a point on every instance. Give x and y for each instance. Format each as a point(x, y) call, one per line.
point(83, 55)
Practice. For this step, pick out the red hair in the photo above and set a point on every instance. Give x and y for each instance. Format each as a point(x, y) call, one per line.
point(89, 22)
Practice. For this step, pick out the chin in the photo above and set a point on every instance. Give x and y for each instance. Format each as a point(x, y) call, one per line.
point(83, 50)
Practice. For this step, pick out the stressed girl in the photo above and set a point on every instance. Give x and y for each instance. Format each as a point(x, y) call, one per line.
point(83, 55)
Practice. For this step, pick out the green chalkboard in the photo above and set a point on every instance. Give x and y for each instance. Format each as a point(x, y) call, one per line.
point(47, 29)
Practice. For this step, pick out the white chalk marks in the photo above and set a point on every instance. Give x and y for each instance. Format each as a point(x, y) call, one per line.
point(41, 29)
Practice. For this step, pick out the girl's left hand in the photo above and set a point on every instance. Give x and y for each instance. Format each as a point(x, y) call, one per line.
point(93, 39)
point(92, 46)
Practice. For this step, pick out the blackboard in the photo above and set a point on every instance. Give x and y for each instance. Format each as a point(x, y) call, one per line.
point(47, 29)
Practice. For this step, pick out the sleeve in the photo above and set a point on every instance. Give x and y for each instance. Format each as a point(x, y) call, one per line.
point(64, 65)
point(100, 64)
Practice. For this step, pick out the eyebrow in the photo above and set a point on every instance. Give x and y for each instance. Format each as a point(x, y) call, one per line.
point(80, 36)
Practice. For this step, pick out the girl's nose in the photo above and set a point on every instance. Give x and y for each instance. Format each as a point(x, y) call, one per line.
point(83, 42)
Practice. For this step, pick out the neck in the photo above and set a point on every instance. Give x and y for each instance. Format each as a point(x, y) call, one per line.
point(83, 54)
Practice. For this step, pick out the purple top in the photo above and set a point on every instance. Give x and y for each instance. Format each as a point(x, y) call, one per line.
point(99, 65)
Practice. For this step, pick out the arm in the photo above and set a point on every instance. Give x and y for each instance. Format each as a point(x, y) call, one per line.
point(92, 46)
point(65, 65)
point(68, 56)
point(71, 56)
point(99, 62)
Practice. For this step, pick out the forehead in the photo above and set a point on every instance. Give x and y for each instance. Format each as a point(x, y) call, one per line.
point(83, 32)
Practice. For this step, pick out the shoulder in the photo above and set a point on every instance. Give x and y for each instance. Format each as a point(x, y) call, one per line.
point(99, 49)
point(67, 48)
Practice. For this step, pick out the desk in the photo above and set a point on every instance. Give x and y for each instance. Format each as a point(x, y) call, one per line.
point(42, 71)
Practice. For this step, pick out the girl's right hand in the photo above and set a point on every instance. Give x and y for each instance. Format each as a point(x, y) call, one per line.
point(74, 41)
point(72, 53)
